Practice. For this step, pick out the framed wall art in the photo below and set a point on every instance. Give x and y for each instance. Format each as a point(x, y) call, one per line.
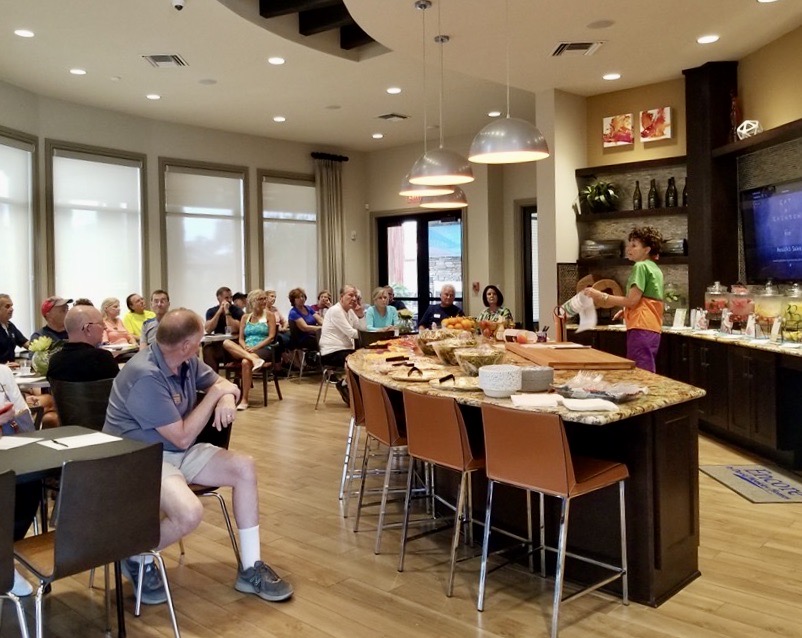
point(617, 130)
point(655, 124)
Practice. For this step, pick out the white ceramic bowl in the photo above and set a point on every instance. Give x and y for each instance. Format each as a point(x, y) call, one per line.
point(536, 378)
point(500, 381)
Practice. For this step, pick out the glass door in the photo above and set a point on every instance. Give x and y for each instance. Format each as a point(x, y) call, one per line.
point(420, 253)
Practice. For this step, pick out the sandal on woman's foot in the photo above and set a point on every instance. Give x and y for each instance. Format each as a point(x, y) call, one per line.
point(258, 364)
point(242, 406)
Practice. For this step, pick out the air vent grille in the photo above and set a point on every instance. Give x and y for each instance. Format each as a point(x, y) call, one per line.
point(575, 48)
point(165, 60)
point(393, 117)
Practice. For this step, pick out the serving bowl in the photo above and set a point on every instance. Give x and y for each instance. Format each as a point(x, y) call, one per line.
point(536, 378)
point(470, 360)
point(500, 381)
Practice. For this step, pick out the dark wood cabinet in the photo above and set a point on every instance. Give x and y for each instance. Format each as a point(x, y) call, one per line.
point(753, 383)
point(708, 370)
point(674, 357)
point(612, 341)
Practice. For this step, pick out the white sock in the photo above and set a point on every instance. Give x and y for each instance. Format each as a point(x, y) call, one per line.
point(249, 546)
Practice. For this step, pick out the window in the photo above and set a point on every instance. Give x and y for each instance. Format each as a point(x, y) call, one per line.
point(418, 254)
point(289, 230)
point(17, 165)
point(204, 239)
point(97, 222)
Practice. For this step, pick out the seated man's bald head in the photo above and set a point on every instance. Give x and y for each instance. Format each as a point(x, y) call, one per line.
point(84, 324)
point(178, 325)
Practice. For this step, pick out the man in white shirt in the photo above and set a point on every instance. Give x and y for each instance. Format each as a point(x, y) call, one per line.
point(340, 329)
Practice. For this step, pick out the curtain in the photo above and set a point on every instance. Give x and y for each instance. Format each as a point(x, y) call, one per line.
point(331, 222)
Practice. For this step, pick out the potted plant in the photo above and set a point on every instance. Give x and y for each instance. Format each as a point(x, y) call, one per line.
point(600, 196)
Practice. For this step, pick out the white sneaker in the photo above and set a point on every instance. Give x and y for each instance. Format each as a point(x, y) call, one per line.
point(242, 406)
point(21, 587)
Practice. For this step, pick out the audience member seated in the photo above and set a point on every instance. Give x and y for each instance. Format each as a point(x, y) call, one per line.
point(115, 332)
point(54, 309)
point(154, 400)
point(10, 336)
point(392, 301)
point(446, 308)
point(257, 334)
point(240, 300)
point(282, 323)
point(12, 408)
point(83, 301)
point(494, 306)
point(80, 359)
point(340, 330)
point(381, 316)
point(323, 303)
point(306, 320)
point(225, 315)
point(159, 304)
point(137, 314)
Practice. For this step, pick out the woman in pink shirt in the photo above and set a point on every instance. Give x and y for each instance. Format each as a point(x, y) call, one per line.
point(114, 331)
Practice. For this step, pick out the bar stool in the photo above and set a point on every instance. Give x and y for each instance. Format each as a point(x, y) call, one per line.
point(330, 374)
point(356, 422)
point(530, 450)
point(381, 424)
point(436, 434)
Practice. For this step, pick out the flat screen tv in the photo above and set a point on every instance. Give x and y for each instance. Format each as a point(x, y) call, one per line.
point(772, 232)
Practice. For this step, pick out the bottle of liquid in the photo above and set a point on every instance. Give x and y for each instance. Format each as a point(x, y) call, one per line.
point(671, 193)
point(735, 117)
point(653, 197)
point(637, 199)
point(685, 193)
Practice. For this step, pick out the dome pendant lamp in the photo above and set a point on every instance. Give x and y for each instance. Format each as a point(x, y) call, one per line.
point(511, 140)
point(442, 166)
point(456, 199)
point(409, 189)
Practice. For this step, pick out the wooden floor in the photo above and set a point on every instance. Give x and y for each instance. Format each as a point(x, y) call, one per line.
point(750, 559)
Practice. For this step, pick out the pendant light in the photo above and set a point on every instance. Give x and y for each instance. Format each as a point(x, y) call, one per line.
point(408, 189)
point(511, 140)
point(442, 166)
point(456, 199)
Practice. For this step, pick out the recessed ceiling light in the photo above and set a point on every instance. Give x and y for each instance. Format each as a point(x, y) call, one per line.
point(24, 33)
point(276, 61)
point(377, 136)
point(78, 71)
point(766, 1)
point(115, 78)
point(601, 24)
point(279, 118)
point(153, 96)
point(394, 90)
point(611, 76)
point(207, 81)
point(494, 113)
point(333, 107)
point(707, 39)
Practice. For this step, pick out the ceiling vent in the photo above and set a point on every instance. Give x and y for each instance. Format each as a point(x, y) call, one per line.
point(575, 48)
point(165, 61)
point(393, 117)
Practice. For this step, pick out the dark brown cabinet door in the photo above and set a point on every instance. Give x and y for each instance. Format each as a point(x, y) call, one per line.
point(709, 371)
point(753, 409)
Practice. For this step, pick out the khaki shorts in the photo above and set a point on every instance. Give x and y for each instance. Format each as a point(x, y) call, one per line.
point(188, 463)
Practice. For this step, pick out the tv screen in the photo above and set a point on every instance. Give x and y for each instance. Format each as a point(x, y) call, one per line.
point(772, 231)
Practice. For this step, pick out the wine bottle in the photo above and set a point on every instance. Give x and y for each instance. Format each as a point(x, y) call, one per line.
point(653, 197)
point(637, 199)
point(671, 194)
point(685, 193)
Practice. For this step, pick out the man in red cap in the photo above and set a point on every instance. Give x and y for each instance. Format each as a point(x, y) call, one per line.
point(54, 310)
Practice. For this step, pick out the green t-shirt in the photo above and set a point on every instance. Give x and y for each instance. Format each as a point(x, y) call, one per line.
point(648, 278)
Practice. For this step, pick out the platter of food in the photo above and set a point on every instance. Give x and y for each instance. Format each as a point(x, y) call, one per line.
point(415, 374)
point(461, 384)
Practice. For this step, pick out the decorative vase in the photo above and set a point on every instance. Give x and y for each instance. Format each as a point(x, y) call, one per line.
point(40, 361)
point(405, 326)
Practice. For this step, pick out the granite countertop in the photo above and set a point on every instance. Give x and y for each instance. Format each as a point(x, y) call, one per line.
point(662, 391)
point(789, 348)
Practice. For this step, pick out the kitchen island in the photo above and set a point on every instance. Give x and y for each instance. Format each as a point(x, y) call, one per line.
point(655, 435)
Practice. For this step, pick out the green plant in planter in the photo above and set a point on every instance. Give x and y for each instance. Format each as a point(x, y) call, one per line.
point(600, 196)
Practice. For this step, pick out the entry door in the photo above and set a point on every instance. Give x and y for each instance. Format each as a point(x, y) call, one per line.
point(418, 254)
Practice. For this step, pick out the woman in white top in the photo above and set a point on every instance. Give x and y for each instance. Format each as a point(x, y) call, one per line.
point(12, 407)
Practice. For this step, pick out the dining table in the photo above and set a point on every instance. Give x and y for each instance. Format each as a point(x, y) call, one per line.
point(36, 455)
point(654, 434)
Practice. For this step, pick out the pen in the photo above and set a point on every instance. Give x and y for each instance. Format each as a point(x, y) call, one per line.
point(59, 443)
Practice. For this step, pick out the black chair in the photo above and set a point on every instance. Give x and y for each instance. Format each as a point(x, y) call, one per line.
point(233, 372)
point(7, 488)
point(81, 402)
point(302, 346)
point(108, 510)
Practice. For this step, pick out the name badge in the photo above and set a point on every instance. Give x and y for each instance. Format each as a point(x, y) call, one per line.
point(177, 399)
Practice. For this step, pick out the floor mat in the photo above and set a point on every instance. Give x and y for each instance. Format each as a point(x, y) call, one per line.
point(757, 483)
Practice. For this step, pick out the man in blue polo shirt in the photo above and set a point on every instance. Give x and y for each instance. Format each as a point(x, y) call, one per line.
point(153, 400)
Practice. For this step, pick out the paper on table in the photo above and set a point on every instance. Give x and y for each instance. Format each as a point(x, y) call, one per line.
point(10, 442)
point(590, 405)
point(82, 440)
point(536, 400)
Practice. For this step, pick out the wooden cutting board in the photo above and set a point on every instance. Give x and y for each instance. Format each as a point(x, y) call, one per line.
point(556, 355)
